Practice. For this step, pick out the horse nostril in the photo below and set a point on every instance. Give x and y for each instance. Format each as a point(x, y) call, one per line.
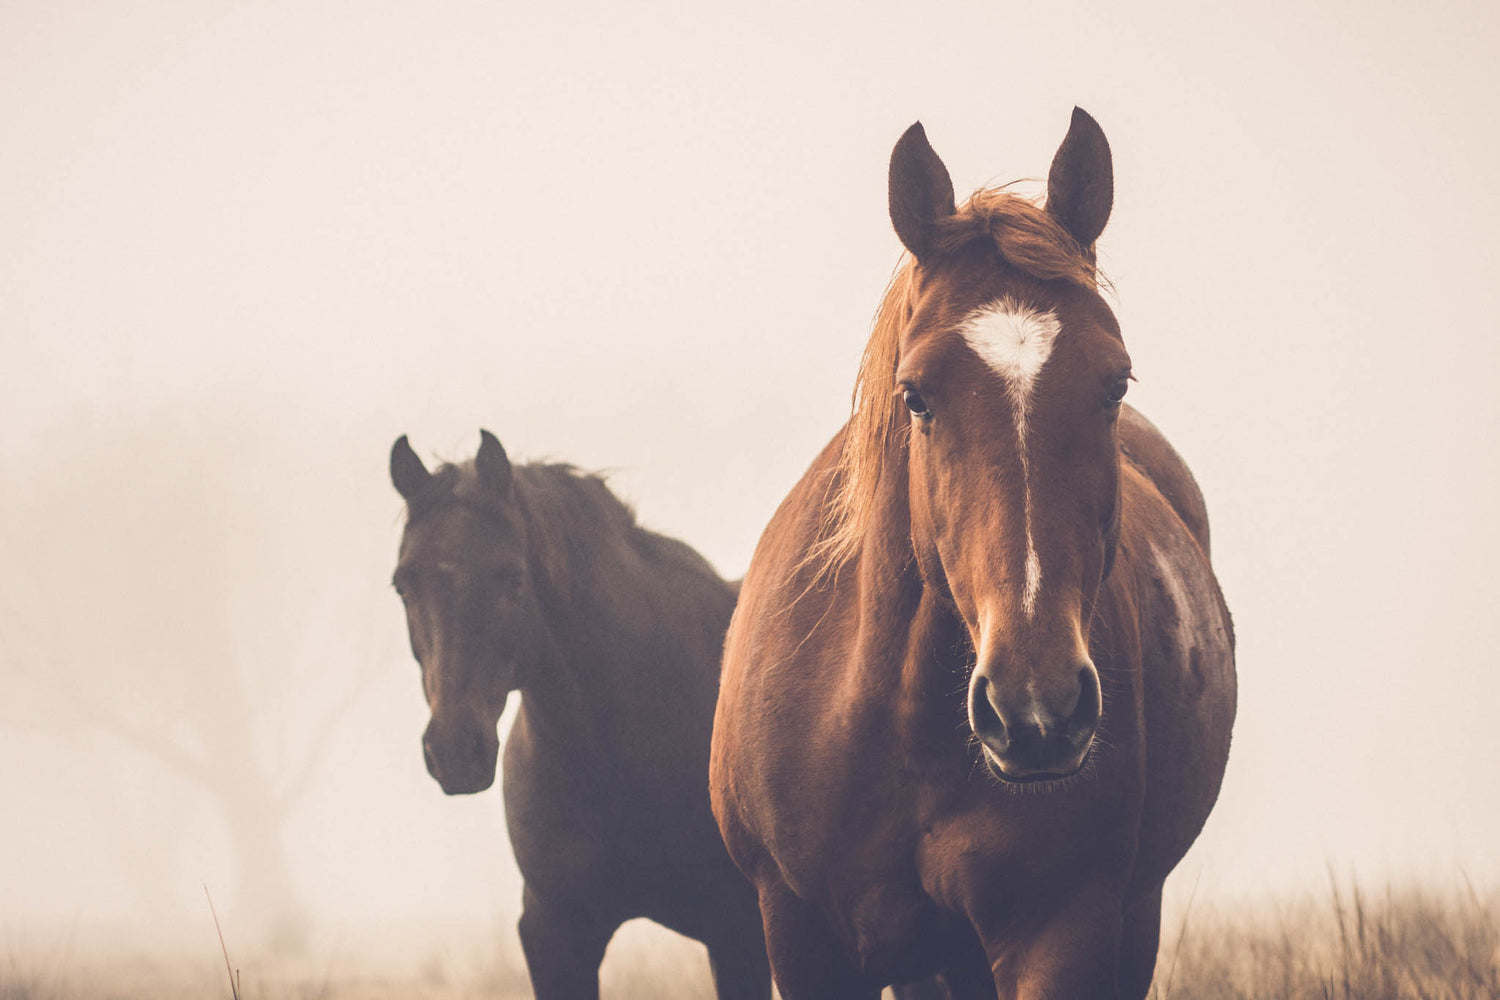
point(1084, 718)
point(984, 719)
point(427, 756)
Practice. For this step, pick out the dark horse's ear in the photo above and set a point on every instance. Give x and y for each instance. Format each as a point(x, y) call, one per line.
point(491, 464)
point(408, 474)
point(921, 193)
point(1081, 183)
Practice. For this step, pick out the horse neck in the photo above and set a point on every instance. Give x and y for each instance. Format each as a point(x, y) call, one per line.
point(903, 611)
point(590, 596)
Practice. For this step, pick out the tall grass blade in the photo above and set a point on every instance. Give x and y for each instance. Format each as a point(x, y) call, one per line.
point(234, 988)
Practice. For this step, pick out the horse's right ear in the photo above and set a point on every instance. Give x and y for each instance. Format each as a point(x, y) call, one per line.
point(492, 464)
point(921, 192)
point(1081, 183)
point(408, 474)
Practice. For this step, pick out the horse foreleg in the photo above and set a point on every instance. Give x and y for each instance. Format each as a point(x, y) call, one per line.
point(564, 945)
point(807, 960)
point(1138, 944)
point(741, 970)
point(926, 989)
point(1073, 952)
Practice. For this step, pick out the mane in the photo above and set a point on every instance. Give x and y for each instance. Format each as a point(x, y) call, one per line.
point(561, 500)
point(570, 514)
point(1027, 238)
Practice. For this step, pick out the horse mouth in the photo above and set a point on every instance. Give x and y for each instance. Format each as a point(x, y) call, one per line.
point(1033, 773)
point(466, 786)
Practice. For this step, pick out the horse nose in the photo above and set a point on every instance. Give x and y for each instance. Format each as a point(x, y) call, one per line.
point(1043, 731)
point(460, 758)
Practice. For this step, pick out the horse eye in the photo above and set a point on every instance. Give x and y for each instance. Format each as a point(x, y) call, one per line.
point(1117, 392)
point(915, 403)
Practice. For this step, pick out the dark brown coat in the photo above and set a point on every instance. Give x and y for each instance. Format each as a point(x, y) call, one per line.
point(536, 578)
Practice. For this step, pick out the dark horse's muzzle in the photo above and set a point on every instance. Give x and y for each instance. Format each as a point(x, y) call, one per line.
point(461, 757)
point(1036, 733)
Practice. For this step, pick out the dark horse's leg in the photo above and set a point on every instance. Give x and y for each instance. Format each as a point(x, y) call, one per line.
point(741, 971)
point(970, 984)
point(1138, 943)
point(808, 961)
point(926, 989)
point(564, 945)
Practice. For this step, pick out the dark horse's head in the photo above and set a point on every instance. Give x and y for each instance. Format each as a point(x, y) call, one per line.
point(1003, 376)
point(471, 612)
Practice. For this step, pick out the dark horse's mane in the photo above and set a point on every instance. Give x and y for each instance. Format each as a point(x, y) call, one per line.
point(572, 512)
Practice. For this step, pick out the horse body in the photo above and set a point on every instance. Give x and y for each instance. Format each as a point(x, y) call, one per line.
point(870, 701)
point(537, 579)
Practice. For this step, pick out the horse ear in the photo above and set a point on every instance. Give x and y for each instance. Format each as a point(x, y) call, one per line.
point(1081, 183)
point(492, 464)
point(408, 474)
point(921, 193)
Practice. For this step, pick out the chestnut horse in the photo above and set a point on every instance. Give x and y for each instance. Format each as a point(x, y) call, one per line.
point(536, 578)
point(979, 686)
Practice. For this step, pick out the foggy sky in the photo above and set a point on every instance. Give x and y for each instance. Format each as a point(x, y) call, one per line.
point(649, 238)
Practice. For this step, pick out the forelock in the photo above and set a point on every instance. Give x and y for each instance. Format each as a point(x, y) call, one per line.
point(1028, 239)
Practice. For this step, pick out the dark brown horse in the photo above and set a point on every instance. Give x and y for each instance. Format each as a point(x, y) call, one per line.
point(536, 578)
point(979, 687)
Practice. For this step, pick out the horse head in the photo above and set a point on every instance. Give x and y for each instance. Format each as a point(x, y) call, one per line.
point(471, 612)
point(1003, 381)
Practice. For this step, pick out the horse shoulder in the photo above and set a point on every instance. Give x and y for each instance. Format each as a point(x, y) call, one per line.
point(1149, 451)
point(1187, 670)
point(782, 730)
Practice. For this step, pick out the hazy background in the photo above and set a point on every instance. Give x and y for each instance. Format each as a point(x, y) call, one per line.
point(243, 246)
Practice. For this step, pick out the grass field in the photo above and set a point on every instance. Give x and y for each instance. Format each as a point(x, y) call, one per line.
point(1347, 944)
point(1343, 944)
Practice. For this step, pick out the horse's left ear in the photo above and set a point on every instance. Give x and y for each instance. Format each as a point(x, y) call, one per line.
point(408, 474)
point(492, 464)
point(1081, 183)
point(921, 192)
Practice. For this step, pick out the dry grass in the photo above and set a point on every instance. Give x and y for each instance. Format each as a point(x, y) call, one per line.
point(470, 963)
point(1342, 944)
point(1399, 944)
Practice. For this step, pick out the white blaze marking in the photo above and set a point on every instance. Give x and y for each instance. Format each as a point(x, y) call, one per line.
point(1016, 341)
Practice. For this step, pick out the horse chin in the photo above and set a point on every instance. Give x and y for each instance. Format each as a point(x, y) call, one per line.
point(466, 784)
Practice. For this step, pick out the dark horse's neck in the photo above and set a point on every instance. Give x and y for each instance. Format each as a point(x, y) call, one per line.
point(635, 619)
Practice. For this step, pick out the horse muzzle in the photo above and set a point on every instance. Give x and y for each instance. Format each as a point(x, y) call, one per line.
point(1036, 734)
point(461, 758)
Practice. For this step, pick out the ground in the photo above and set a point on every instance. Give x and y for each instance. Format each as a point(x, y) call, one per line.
point(1339, 944)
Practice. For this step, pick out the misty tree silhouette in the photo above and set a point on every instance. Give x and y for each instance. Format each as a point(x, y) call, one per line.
point(125, 559)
